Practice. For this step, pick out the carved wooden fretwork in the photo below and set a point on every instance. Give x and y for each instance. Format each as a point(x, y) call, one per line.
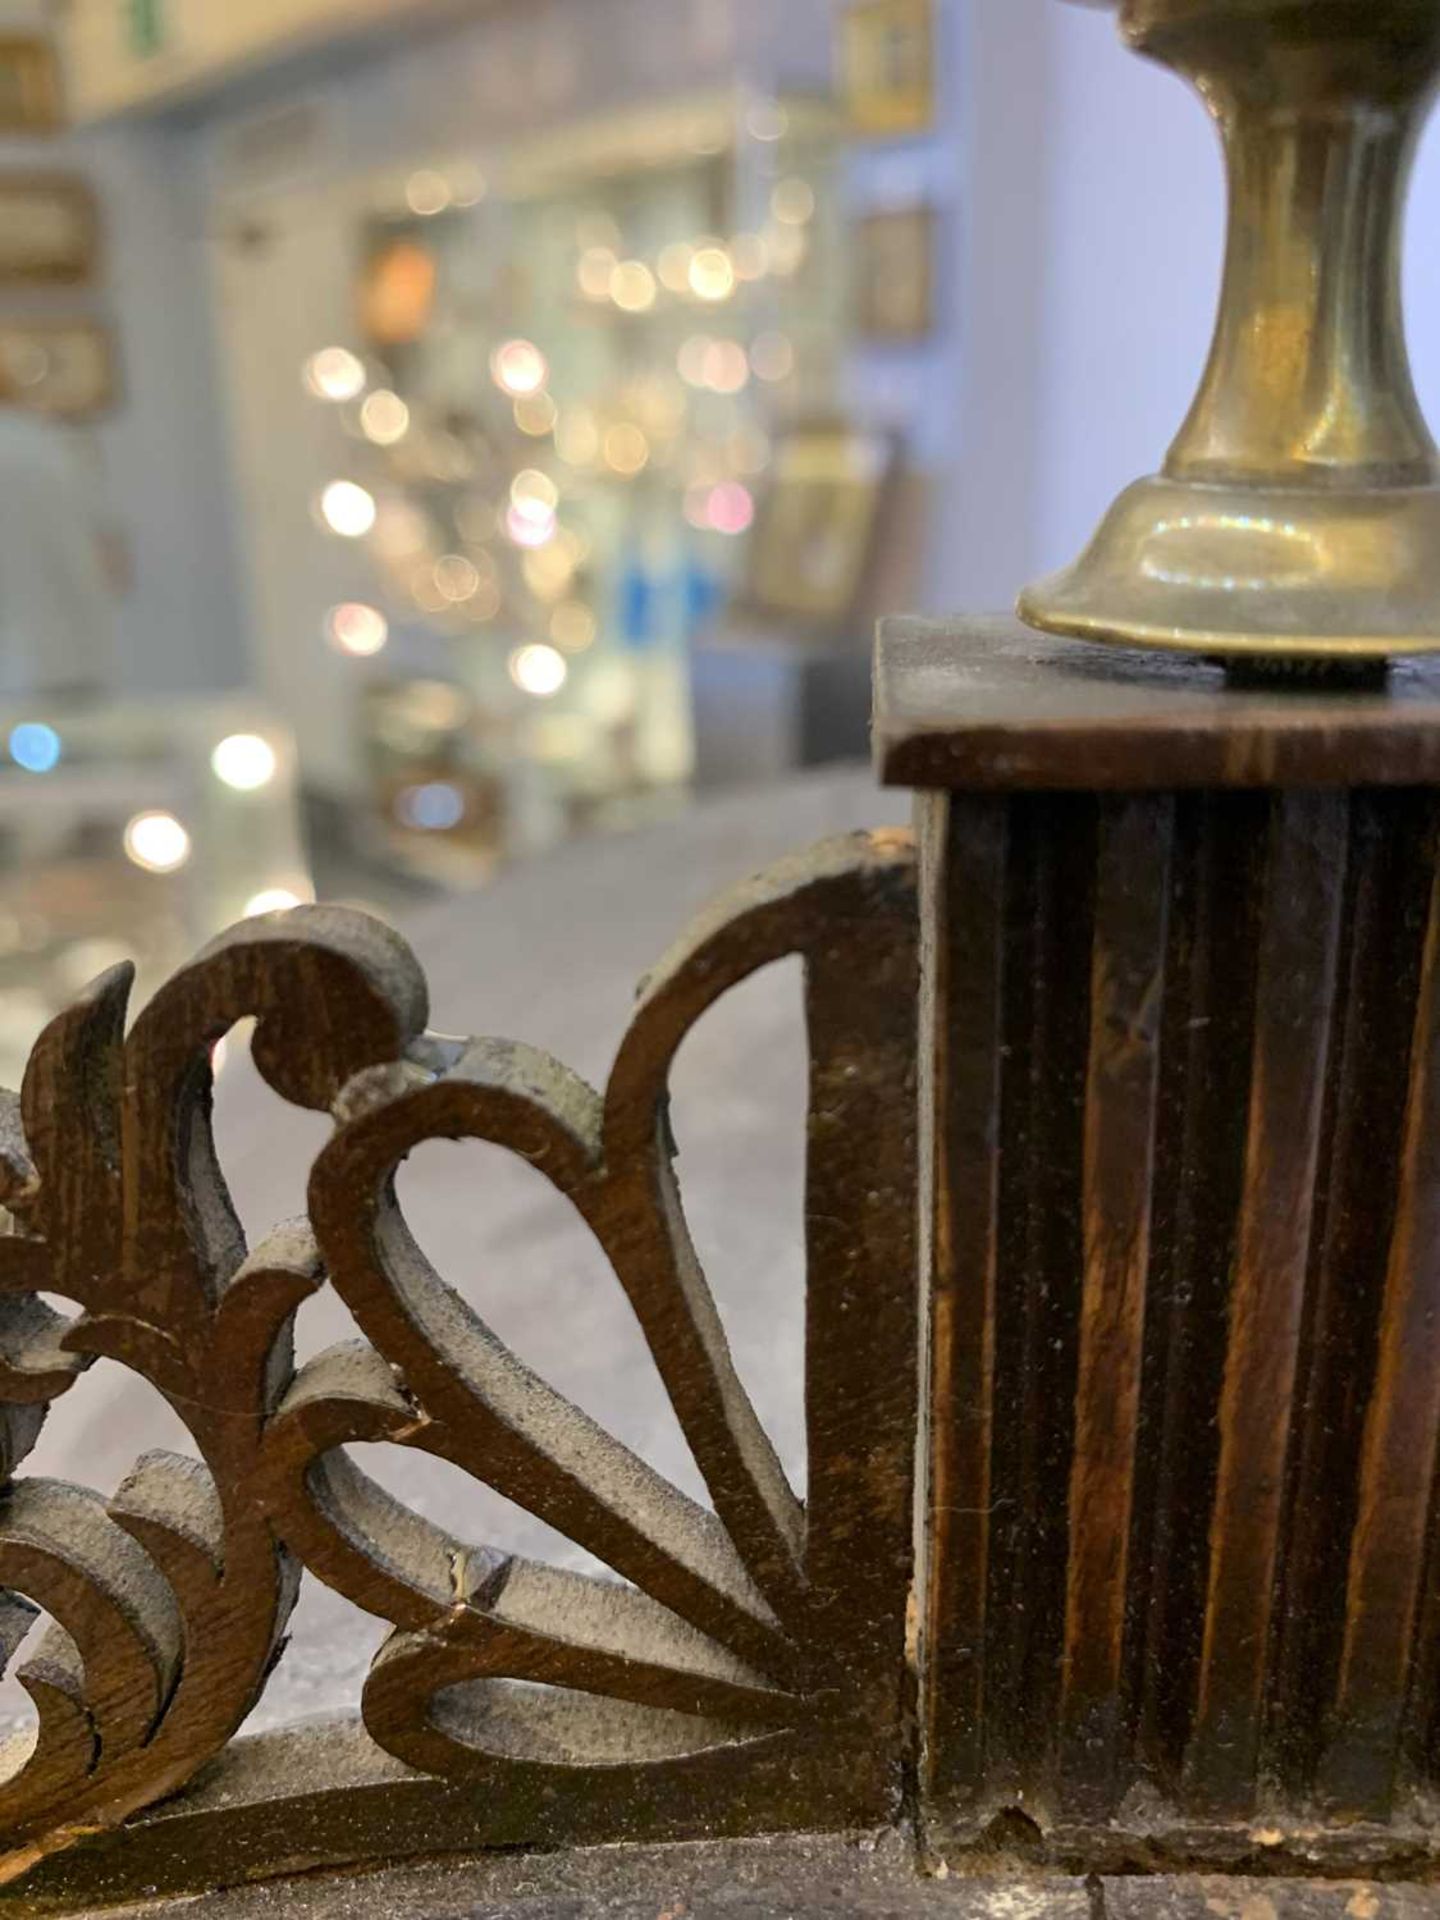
point(1122, 1139)
point(746, 1669)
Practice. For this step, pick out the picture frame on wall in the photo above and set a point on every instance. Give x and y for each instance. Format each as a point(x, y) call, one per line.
point(63, 368)
point(895, 274)
point(396, 294)
point(887, 66)
point(49, 230)
point(30, 97)
point(812, 549)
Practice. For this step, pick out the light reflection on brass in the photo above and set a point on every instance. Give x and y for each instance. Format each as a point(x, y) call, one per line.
point(1298, 512)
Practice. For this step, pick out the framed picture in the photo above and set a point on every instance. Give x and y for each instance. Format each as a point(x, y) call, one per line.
point(887, 76)
point(29, 85)
point(397, 291)
point(60, 367)
point(895, 274)
point(49, 230)
point(811, 552)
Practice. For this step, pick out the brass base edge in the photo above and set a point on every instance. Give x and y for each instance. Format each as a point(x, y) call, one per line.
point(1035, 610)
point(1229, 570)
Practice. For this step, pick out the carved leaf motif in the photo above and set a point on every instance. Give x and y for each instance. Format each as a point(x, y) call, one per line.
point(741, 1627)
point(735, 1638)
point(169, 1599)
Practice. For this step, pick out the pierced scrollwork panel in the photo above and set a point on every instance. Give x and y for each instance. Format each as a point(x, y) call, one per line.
point(750, 1649)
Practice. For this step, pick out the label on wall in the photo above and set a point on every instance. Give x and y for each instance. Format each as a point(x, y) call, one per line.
point(146, 25)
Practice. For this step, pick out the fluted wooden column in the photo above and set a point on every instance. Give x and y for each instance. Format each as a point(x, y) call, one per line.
point(1182, 1024)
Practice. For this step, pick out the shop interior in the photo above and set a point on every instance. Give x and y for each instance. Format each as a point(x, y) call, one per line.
point(435, 433)
point(447, 431)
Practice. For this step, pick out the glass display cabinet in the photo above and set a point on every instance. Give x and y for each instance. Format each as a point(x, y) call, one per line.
point(553, 426)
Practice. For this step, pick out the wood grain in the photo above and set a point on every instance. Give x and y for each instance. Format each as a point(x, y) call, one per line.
point(1122, 1093)
point(986, 705)
point(1304, 886)
point(1181, 1506)
point(963, 860)
point(1390, 1547)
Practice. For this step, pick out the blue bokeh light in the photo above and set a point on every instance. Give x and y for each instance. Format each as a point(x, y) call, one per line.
point(434, 808)
point(35, 747)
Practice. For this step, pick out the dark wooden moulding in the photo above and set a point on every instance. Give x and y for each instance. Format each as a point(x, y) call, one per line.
point(1181, 1069)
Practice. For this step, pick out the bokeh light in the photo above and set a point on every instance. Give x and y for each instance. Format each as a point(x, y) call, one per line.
point(627, 451)
point(767, 120)
point(533, 489)
point(273, 900)
point(384, 418)
point(519, 367)
point(712, 274)
point(357, 629)
point(35, 747)
point(731, 508)
point(632, 287)
point(530, 523)
point(536, 414)
point(427, 193)
point(348, 509)
point(726, 366)
point(334, 373)
point(539, 669)
point(435, 806)
point(456, 577)
point(156, 841)
point(244, 761)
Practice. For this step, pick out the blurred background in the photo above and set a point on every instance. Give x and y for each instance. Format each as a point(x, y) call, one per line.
point(433, 430)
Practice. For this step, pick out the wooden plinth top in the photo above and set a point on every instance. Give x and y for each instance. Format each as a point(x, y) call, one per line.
point(988, 704)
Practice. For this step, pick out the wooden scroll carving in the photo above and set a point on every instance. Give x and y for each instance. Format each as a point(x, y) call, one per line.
point(747, 1666)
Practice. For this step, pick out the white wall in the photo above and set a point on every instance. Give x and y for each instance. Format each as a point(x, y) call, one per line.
point(996, 54)
point(1133, 233)
point(161, 449)
point(180, 627)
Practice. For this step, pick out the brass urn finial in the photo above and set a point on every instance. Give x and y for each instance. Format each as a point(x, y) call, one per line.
point(1298, 513)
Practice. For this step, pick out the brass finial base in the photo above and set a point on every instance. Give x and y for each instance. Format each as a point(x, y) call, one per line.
point(1233, 570)
point(1299, 510)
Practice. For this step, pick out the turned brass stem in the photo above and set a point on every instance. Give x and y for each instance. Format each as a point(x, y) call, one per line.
point(1309, 379)
point(1298, 511)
